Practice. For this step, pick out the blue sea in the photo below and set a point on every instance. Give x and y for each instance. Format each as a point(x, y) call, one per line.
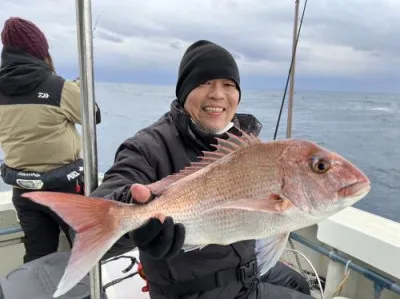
point(364, 128)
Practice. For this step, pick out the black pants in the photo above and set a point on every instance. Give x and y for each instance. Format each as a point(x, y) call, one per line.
point(40, 225)
point(270, 291)
point(281, 282)
point(282, 275)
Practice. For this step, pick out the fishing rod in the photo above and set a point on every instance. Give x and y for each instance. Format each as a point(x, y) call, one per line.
point(95, 24)
point(296, 35)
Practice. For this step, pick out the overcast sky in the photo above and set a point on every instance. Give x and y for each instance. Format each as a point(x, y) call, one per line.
point(344, 44)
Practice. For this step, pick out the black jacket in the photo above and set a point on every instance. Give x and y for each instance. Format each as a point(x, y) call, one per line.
point(159, 150)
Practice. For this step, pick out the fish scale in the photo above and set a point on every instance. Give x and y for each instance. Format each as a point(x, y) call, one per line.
point(245, 189)
point(227, 180)
point(217, 185)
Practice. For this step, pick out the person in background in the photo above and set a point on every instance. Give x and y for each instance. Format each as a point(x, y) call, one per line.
point(41, 145)
point(208, 94)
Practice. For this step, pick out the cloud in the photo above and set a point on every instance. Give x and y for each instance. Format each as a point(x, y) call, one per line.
point(339, 39)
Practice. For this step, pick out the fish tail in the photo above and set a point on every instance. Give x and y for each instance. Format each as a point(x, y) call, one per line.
point(97, 227)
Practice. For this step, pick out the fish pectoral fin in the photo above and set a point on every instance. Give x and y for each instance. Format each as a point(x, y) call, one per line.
point(272, 204)
point(269, 251)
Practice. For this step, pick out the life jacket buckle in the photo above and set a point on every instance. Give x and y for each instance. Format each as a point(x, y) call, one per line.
point(247, 272)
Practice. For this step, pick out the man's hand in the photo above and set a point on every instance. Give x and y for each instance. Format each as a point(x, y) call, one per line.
point(140, 193)
point(159, 237)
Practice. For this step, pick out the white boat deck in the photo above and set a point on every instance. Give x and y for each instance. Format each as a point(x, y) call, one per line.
point(5, 201)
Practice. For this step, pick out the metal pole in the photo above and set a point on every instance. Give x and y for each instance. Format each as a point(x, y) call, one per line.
point(291, 88)
point(85, 50)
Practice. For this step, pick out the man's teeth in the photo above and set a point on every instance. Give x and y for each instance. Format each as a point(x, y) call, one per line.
point(213, 109)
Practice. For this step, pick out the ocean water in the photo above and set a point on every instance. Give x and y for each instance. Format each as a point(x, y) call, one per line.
point(364, 128)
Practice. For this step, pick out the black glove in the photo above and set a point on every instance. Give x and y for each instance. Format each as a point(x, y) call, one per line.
point(159, 240)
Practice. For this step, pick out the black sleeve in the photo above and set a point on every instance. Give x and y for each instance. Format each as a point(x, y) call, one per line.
point(130, 166)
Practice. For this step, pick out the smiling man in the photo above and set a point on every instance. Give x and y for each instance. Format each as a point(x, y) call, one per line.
point(208, 94)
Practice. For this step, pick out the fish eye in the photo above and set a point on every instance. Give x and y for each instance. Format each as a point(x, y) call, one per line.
point(320, 165)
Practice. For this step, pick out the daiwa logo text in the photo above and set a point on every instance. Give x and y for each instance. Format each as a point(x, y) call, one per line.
point(43, 95)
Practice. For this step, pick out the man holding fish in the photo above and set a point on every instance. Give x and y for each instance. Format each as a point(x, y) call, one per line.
point(208, 93)
point(209, 205)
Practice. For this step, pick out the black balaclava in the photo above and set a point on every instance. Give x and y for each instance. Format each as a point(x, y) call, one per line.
point(204, 61)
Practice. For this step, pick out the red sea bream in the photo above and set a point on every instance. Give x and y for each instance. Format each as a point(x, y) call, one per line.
point(246, 189)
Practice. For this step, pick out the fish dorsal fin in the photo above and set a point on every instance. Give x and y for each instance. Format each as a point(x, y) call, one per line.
point(223, 148)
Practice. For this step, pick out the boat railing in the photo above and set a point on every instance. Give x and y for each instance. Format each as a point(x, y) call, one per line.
point(10, 230)
point(380, 282)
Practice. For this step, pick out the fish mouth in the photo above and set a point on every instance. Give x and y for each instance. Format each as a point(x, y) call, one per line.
point(355, 190)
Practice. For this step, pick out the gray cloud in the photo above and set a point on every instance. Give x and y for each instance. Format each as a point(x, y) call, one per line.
point(108, 36)
point(339, 37)
point(362, 24)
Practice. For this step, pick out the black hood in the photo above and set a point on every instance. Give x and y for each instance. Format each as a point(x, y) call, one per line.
point(21, 73)
point(203, 140)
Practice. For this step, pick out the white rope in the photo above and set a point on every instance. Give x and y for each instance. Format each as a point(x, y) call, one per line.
point(313, 268)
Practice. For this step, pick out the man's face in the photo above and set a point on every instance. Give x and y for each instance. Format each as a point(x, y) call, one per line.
point(213, 104)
